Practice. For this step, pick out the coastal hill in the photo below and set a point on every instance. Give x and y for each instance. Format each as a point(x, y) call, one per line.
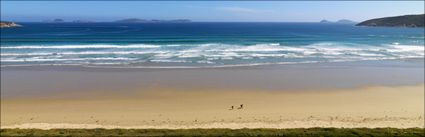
point(397, 21)
point(136, 20)
point(5, 24)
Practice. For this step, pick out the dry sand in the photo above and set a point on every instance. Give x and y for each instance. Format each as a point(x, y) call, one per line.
point(400, 107)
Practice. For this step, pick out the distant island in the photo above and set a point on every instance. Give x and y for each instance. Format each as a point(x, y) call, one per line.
point(136, 20)
point(397, 21)
point(83, 21)
point(64, 21)
point(325, 21)
point(5, 24)
point(54, 21)
point(129, 20)
point(342, 21)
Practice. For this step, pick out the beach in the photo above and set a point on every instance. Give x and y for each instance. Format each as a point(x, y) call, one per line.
point(399, 107)
point(211, 75)
point(213, 68)
point(348, 94)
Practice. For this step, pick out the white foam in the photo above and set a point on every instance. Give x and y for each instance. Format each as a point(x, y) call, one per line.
point(81, 46)
point(63, 59)
point(169, 61)
point(214, 52)
point(255, 48)
point(84, 53)
point(410, 50)
point(205, 62)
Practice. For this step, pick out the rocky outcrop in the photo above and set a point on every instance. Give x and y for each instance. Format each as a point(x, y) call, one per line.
point(5, 24)
point(398, 21)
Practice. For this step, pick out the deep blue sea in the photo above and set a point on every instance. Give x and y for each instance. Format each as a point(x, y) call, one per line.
point(203, 44)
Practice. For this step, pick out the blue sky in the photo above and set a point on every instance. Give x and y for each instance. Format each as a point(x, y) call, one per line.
point(221, 11)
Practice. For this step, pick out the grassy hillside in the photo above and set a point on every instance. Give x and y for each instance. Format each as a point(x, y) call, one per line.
point(377, 132)
point(398, 21)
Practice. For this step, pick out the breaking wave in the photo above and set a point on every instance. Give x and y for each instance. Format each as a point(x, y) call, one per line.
point(208, 54)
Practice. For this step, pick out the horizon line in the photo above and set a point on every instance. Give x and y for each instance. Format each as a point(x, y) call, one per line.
point(181, 22)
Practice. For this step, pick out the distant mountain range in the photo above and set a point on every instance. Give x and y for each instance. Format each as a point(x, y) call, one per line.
point(82, 21)
point(63, 21)
point(397, 21)
point(342, 21)
point(136, 20)
point(54, 21)
point(129, 20)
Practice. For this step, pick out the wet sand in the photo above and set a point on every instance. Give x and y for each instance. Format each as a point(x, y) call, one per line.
point(377, 94)
point(57, 81)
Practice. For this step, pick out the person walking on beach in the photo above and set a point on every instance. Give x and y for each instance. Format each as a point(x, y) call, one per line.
point(231, 108)
point(241, 106)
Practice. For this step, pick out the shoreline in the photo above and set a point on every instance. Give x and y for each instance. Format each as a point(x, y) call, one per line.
point(410, 62)
point(60, 81)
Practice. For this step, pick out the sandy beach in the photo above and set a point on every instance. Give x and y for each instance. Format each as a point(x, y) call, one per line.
point(400, 107)
point(349, 95)
point(299, 96)
point(213, 68)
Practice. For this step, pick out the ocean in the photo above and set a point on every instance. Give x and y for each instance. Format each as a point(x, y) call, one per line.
point(203, 45)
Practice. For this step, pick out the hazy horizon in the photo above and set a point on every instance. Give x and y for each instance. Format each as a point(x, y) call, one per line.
point(207, 11)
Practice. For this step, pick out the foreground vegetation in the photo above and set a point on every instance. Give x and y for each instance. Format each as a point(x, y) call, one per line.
point(300, 132)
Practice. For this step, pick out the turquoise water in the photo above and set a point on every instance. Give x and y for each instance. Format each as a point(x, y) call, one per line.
point(203, 44)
